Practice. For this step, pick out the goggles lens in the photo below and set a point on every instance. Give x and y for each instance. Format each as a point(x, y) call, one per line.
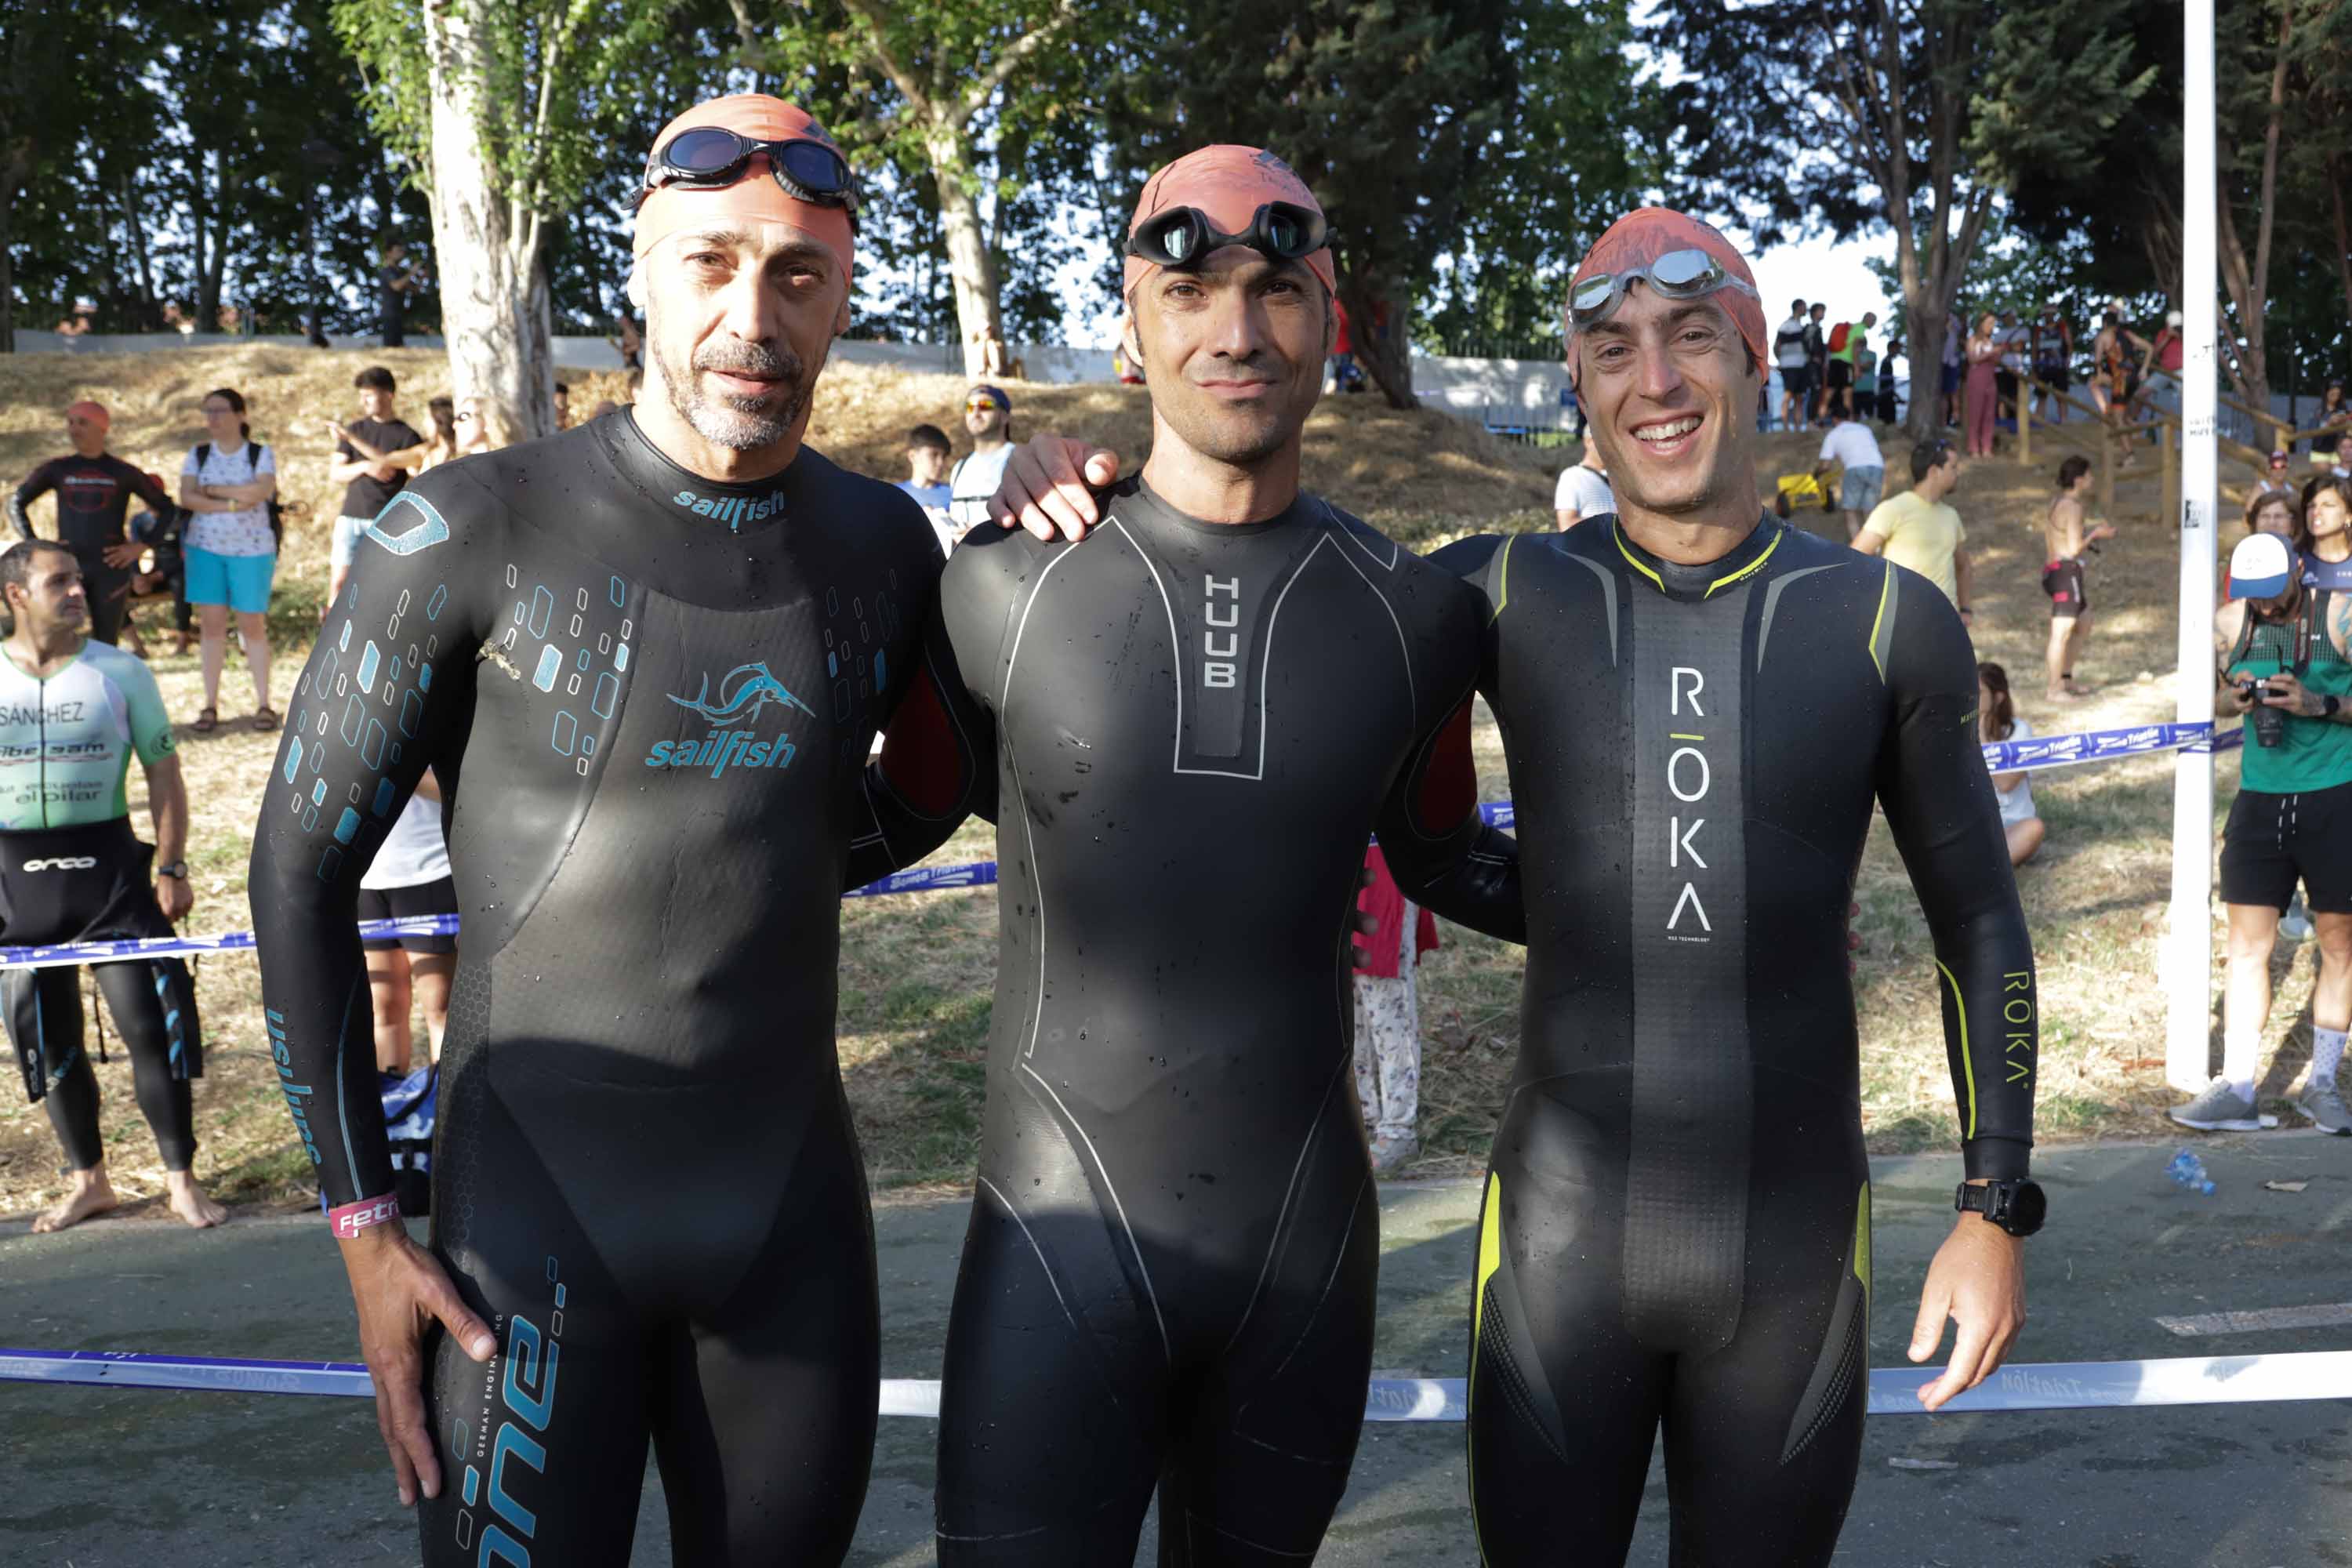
point(1678, 275)
point(1182, 238)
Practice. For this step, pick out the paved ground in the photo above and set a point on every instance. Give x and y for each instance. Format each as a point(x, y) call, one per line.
point(126, 1478)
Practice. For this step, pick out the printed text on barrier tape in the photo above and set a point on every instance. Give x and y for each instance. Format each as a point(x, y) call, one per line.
point(2103, 746)
point(1894, 1390)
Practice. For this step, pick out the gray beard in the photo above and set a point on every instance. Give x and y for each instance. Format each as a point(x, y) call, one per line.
point(738, 423)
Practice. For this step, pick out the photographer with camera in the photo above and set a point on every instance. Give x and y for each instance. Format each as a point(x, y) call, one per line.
point(2288, 669)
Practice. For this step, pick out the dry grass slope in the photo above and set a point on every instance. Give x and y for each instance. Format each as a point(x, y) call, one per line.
point(917, 971)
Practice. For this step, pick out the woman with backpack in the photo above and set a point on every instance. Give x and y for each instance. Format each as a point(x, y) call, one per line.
point(229, 486)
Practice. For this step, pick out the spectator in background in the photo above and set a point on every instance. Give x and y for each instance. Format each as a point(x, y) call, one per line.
point(926, 481)
point(1920, 528)
point(1865, 383)
point(177, 319)
point(1851, 444)
point(1817, 362)
point(2334, 419)
point(1887, 375)
point(1948, 381)
point(374, 455)
point(441, 444)
point(988, 420)
point(2291, 823)
point(157, 532)
point(1123, 368)
point(1997, 720)
point(395, 280)
point(563, 405)
point(1341, 373)
point(2052, 347)
point(1984, 390)
point(1388, 1015)
point(1847, 341)
point(2008, 377)
point(1789, 355)
point(2273, 479)
point(73, 327)
point(1583, 489)
point(2115, 379)
point(2069, 534)
point(410, 878)
point(629, 341)
point(995, 355)
point(93, 488)
point(472, 425)
point(231, 550)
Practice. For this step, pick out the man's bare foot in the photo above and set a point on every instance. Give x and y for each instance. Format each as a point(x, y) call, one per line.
point(92, 1193)
point(189, 1202)
point(2063, 694)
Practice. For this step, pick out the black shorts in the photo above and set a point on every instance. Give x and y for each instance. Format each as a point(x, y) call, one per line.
point(400, 903)
point(2069, 594)
point(2272, 841)
point(1797, 380)
point(2055, 376)
point(1840, 374)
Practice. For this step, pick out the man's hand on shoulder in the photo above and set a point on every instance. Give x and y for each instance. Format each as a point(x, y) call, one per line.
point(1049, 487)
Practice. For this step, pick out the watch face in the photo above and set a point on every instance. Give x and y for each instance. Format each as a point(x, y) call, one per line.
point(2027, 1209)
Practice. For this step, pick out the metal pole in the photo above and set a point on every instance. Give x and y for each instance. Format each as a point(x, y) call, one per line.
point(2188, 976)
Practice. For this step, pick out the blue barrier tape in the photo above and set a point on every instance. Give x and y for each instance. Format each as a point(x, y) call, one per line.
point(2106, 746)
point(1894, 1390)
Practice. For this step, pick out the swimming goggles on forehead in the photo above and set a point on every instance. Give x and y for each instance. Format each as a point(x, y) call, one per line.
point(711, 157)
point(1182, 238)
point(1689, 274)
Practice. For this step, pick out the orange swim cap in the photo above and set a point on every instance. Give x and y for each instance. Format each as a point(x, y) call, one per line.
point(93, 411)
point(754, 196)
point(1640, 237)
point(1230, 183)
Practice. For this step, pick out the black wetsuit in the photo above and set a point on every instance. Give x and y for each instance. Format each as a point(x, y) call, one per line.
point(93, 494)
point(1168, 1278)
point(648, 698)
point(1676, 1220)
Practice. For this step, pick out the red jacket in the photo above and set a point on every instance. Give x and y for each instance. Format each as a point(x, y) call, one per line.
point(1384, 902)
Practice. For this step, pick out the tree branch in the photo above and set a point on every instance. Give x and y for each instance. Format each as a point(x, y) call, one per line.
point(1020, 49)
point(870, 18)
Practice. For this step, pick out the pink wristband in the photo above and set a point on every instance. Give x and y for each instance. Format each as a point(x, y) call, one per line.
point(352, 1218)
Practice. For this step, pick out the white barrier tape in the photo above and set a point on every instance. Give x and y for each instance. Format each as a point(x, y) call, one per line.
point(1894, 1390)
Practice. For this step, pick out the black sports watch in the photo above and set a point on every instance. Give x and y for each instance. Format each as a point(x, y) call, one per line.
point(2016, 1206)
point(178, 869)
point(2330, 705)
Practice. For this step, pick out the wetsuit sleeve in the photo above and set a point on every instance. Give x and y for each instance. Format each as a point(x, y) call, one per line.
point(387, 692)
point(937, 766)
point(1946, 822)
point(38, 483)
point(1442, 853)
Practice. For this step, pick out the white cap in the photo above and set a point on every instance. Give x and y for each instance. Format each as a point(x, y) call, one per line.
point(2260, 567)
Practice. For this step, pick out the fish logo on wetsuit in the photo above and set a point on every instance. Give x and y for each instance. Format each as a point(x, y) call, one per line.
point(744, 693)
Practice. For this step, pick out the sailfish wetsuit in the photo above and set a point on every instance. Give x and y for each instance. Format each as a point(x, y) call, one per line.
point(1168, 1278)
point(1676, 1221)
point(648, 697)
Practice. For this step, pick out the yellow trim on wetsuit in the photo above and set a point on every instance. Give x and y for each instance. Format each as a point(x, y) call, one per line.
point(1752, 566)
point(1490, 1261)
point(1885, 592)
point(1617, 533)
point(1968, 1068)
point(1503, 580)
point(1861, 1238)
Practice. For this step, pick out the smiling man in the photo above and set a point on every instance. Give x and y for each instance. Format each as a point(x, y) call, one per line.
point(1191, 723)
point(646, 659)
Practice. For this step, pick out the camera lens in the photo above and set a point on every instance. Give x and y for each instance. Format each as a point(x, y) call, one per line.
point(2269, 725)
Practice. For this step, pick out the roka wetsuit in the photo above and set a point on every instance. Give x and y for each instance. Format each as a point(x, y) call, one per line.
point(1167, 1279)
point(71, 869)
point(1676, 1224)
point(648, 697)
point(93, 495)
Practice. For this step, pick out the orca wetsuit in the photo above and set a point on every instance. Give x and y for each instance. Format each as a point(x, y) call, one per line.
point(71, 869)
point(1676, 1221)
point(648, 697)
point(1192, 729)
point(93, 495)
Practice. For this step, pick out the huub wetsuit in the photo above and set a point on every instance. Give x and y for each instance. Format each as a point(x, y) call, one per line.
point(1168, 1273)
point(648, 697)
point(93, 494)
point(71, 869)
point(1676, 1220)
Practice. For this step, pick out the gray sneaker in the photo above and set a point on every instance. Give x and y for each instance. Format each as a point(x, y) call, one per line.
point(2324, 1103)
point(1392, 1151)
point(2220, 1108)
point(2295, 924)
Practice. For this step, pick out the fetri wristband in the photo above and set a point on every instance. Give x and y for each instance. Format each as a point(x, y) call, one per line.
point(352, 1218)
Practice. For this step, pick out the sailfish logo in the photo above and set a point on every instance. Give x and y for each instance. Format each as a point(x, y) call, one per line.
point(743, 692)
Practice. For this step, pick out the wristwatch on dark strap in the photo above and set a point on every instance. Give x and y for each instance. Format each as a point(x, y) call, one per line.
point(2017, 1205)
point(2329, 705)
point(178, 869)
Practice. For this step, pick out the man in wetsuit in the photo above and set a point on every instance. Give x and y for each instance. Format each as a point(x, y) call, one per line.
point(73, 712)
point(1699, 706)
point(1191, 723)
point(94, 489)
point(646, 658)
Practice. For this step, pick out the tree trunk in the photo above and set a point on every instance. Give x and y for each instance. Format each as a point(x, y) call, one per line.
point(2249, 284)
point(970, 264)
point(2336, 171)
point(9, 183)
point(1388, 361)
point(495, 307)
point(151, 317)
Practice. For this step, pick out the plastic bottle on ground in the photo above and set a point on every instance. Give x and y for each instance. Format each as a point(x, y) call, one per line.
point(2189, 1170)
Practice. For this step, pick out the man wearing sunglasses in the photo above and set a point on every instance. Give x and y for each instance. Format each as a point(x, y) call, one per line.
point(1184, 729)
point(646, 659)
point(1699, 707)
point(988, 420)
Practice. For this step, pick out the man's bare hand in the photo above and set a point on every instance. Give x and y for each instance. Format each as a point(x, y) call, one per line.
point(1978, 1280)
point(124, 554)
point(400, 1291)
point(174, 897)
point(1049, 484)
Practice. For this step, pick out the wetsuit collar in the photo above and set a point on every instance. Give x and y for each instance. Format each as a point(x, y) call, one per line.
point(736, 508)
point(1743, 562)
point(1140, 497)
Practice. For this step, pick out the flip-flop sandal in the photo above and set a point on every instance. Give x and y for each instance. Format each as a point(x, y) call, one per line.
point(207, 721)
point(265, 718)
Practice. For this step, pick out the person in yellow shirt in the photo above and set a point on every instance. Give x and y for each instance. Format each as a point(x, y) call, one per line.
point(1920, 529)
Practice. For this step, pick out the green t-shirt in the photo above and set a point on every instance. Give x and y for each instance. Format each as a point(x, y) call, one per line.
point(65, 742)
point(2312, 754)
